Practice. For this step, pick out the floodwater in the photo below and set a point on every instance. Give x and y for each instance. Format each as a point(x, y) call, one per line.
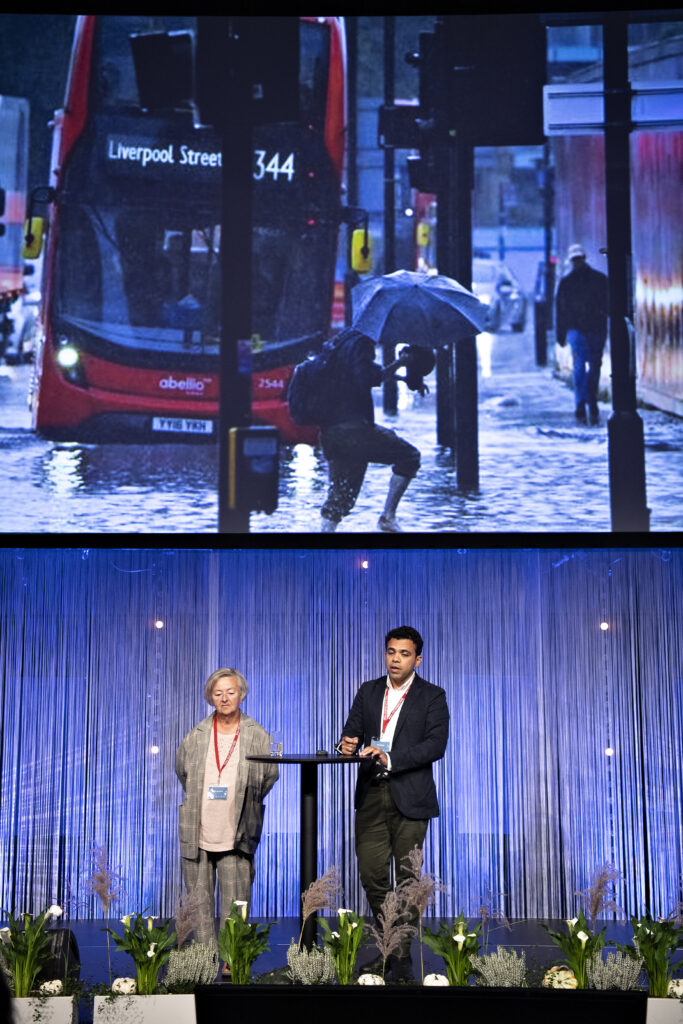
point(539, 471)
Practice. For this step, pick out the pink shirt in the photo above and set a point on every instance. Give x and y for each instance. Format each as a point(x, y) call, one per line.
point(217, 824)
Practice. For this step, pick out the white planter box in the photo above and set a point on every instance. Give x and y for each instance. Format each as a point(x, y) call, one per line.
point(52, 1010)
point(664, 1011)
point(168, 1009)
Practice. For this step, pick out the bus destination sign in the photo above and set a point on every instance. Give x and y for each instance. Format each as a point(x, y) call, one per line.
point(132, 154)
point(144, 153)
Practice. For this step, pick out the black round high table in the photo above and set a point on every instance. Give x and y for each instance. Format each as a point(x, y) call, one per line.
point(308, 828)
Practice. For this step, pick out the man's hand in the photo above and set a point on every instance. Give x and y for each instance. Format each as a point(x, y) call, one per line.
point(348, 745)
point(376, 753)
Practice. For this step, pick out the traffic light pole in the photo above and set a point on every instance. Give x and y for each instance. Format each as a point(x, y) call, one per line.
point(457, 399)
point(390, 387)
point(458, 264)
point(236, 254)
point(624, 427)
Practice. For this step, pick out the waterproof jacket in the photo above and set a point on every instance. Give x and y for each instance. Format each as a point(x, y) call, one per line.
point(254, 781)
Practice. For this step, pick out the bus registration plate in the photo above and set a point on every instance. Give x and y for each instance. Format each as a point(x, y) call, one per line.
point(180, 425)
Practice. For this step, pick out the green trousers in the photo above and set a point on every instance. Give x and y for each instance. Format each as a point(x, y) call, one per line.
point(382, 832)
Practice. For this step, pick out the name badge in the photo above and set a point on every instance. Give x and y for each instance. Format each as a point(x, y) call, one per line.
point(218, 792)
point(384, 745)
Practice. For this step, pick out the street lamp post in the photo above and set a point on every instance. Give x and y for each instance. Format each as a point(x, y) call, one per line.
point(624, 427)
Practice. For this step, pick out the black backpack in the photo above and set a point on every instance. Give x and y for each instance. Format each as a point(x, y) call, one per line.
point(314, 385)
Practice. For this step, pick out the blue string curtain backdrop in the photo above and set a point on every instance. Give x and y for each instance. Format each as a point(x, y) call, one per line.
point(563, 673)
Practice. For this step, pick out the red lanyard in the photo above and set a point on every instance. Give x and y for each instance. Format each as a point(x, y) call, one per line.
point(215, 743)
point(386, 719)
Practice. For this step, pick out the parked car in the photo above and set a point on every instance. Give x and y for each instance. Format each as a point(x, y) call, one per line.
point(23, 318)
point(495, 285)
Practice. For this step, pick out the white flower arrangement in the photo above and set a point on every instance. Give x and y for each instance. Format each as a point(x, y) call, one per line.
point(676, 988)
point(124, 986)
point(503, 969)
point(370, 979)
point(54, 911)
point(436, 979)
point(617, 971)
point(310, 967)
point(196, 964)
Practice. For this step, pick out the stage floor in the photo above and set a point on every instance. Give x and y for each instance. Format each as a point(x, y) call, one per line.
point(526, 935)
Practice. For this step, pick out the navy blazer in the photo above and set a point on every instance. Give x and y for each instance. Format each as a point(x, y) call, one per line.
point(419, 740)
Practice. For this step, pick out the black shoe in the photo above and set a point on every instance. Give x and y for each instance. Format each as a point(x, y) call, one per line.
point(594, 416)
point(580, 414)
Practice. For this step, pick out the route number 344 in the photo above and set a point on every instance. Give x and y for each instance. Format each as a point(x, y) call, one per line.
point(273, 165)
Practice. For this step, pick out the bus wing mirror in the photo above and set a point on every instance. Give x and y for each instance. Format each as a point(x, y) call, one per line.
point(34, 229)
point(361, 251)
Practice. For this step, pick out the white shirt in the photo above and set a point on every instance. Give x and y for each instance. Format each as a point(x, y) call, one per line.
point(394, 699)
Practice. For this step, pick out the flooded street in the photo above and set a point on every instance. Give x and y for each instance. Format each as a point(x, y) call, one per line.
point(539, 471)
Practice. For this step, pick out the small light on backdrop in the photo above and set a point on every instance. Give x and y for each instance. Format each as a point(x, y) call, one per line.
point(154, 750)
point(609, 751)
point(604, 626)
point(158, 623)
point(365, 564)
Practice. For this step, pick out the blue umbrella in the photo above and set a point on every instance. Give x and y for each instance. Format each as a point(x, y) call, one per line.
point(421, 309)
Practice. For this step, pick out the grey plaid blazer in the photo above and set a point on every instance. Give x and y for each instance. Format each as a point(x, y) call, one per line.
point(254, 781)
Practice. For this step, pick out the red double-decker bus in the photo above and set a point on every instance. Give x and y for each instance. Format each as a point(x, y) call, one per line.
point(131, 312)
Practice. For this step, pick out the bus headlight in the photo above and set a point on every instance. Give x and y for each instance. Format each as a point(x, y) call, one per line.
point(67, 357)
point(69, 361)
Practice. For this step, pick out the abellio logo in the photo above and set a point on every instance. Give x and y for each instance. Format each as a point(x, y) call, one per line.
point(186, 384)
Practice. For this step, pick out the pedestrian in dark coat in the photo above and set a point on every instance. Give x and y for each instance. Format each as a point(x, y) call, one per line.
point(351, 439)
point(581, 320)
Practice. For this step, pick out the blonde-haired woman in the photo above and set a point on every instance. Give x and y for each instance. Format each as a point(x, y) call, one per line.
point(221, 818)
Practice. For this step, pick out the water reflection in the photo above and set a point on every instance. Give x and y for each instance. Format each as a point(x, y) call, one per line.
point(62, 469)
point(109, 467)
point(484, 350)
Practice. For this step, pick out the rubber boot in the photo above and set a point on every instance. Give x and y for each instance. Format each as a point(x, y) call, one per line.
point(397, 487)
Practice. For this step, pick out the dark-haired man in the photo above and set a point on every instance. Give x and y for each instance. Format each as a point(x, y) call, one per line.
point(399, 722)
